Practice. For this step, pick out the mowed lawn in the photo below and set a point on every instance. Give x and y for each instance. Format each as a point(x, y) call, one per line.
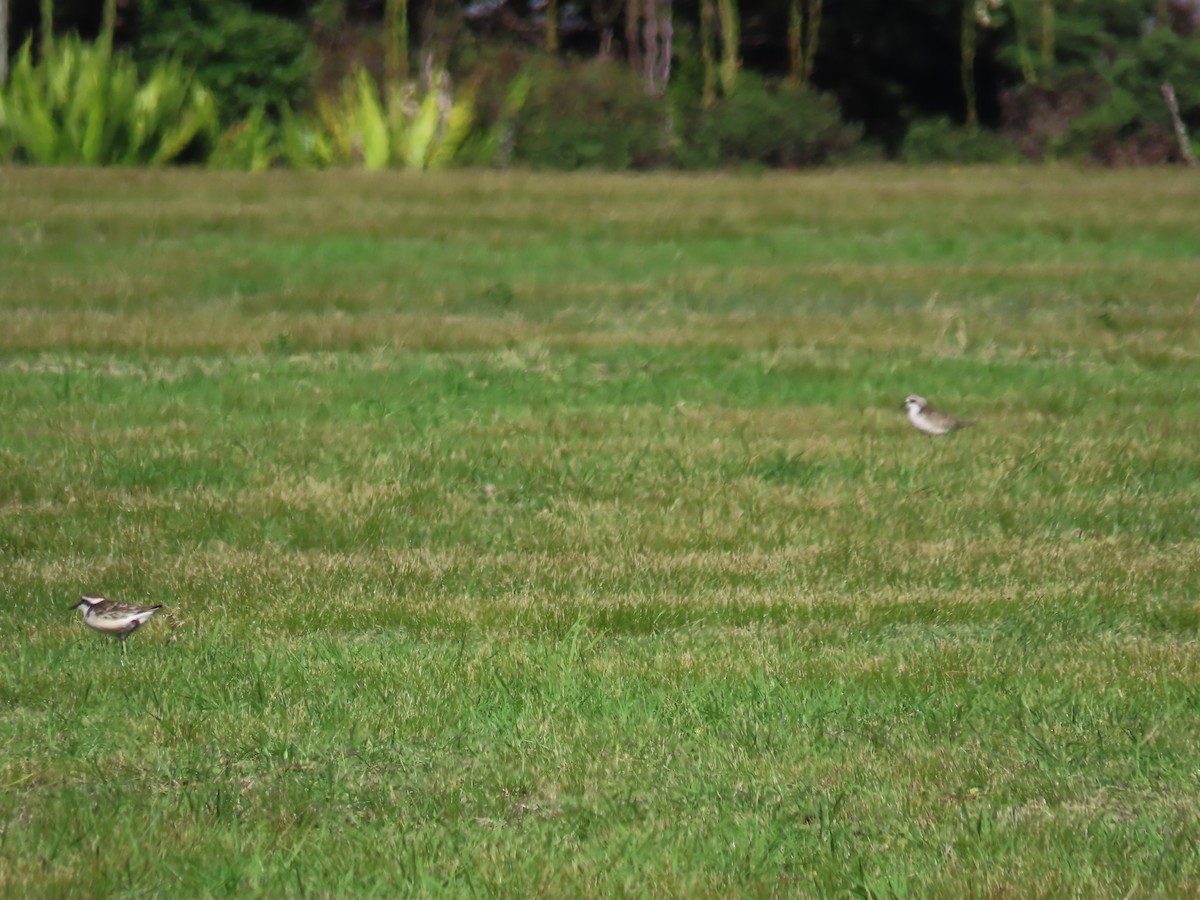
point(550, 535)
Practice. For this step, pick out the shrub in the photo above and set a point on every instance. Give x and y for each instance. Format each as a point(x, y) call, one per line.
point(590, 115)
point(775, 126)
point(1115, 115)
point(303, 143)
point(504, 76)
point(248, 59)
point(356, 126)
point(1038, 117)
point(401, 127)
point(82, 104)
point(940, 141)
point(250, 145)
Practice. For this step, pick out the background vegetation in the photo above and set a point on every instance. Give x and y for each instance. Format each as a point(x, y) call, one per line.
point(639, 83)
point(555, 534)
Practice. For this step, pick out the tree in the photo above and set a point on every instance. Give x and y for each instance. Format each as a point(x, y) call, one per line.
point(108, 25)
point(731, 59)
point(708, 15)
point(551, 26)
point(648, 34)
point(3, 43)
point(969, 12)
point(804, 29)
point(47, 16)
point(656, 33)
point(1047, 33)
point(395, 15)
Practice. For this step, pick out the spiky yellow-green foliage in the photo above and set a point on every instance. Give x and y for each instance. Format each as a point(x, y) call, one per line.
point(249, 146)
point(420, 130)
point(81, 104)
point(456, 125)
point(403, 127)
point(354, 120)
point(303, 143)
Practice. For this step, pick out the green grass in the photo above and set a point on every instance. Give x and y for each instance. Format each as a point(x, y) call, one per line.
point(563, 535)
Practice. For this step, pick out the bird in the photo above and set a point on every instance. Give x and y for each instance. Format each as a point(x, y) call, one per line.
point(929, 420)
point(110, 617)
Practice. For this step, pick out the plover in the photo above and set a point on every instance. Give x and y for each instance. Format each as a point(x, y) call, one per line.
point(929, 420)
point(110, 617)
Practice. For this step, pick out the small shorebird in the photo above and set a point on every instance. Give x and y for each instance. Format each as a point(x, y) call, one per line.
point(110, 617)
point(929, 420)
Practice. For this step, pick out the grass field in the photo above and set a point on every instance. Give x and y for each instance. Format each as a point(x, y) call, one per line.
point(562, 535)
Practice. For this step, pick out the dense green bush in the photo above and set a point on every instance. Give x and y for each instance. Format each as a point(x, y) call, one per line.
point(1114, 113)
point(941, 141)
point(782, 125)
point(248, 59)
point(1140, 127)
point(590, 115)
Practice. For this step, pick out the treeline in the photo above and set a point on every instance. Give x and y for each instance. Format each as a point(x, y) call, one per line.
point(564, 84)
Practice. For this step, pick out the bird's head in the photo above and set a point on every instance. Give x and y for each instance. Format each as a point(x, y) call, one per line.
point(913, 403)
point(87, 601)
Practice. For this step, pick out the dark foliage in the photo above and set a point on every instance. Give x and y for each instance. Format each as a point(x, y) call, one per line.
point(941, 141)
point(1039, 118)
point(249, 59)
point(891, 63)
point(592, 115)
point(782, 125)
point(1113, 113)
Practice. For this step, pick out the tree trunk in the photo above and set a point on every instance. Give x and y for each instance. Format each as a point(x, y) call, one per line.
point(731, 59)
point(656, 45)
point(1185, 145)
point(794, 41)
point(633, 44)
point(1047, 35)
point(551, 26)
point(968, 61)
point(650, 46)
point(47, 15)
point(603, 17)
point(707, 17)
point(666, 31)
point(108, 25)
point(1021, 39)
point(812, 40)
point(3, 43)
point(395, 60)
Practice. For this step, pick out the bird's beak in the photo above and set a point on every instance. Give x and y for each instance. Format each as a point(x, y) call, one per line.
point(904, 404)
point(75, 605)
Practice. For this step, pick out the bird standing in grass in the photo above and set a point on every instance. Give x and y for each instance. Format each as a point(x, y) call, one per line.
point(929, 420)
point(110, 617)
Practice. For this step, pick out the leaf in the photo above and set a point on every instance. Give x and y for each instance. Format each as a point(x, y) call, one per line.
point(457, 126)
point(372, 126)
point(332, 119)
point(199, 119)
point(422, 133)
point(302, 143)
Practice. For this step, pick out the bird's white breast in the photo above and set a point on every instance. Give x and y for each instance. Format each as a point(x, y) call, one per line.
point(918, 418)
